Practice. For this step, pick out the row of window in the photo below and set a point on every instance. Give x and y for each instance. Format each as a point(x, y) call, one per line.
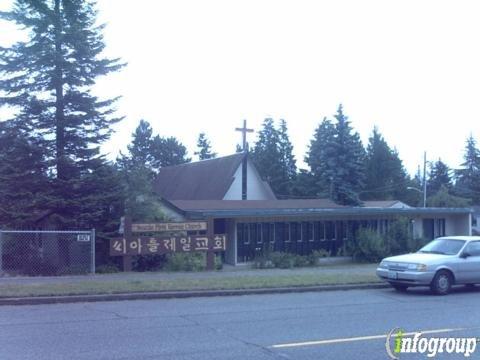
point(259, 233)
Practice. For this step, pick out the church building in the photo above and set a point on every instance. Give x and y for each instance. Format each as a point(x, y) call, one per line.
point(230, 191)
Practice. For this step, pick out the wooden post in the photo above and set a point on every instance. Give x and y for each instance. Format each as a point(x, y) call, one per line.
point(127, 260)
point(210, 253)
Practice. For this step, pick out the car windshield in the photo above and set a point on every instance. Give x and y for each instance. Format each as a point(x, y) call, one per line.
point(443, 246)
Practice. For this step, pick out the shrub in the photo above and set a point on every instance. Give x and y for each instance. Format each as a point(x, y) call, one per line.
point(190, 262)
point(300, 261)
point(107, 269)
point(73, 270)
point(283, 260)
point(185, 262)
point(371, 246)
point(313, 257)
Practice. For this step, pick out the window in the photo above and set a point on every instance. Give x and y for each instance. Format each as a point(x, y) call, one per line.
point(473, 248)
point(319, 231)
point(330, 232)
point(309, 233)
point(297, 232)
point(428, 229)
point(439, 227)
point(259, 233)
point(287, 233)
point(268, 232)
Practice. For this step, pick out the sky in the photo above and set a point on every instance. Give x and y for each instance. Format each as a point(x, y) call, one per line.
point(411, 68)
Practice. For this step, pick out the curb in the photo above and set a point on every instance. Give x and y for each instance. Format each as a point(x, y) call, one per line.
point(41, 300)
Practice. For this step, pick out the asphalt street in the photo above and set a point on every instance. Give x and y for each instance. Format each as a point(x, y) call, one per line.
point(323, 325)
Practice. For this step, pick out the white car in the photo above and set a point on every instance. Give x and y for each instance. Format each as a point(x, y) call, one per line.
point(443, 262)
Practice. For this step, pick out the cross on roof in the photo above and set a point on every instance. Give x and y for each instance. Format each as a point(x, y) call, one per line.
point(244, 131)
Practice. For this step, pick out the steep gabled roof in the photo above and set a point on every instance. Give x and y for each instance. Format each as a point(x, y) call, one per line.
point(202, 180)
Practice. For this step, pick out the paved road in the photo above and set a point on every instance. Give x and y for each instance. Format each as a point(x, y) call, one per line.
point(242, 327)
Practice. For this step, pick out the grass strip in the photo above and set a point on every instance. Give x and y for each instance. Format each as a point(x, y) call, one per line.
point(154, 285)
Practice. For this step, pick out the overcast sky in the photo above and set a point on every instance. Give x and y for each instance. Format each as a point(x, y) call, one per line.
point(410, 67)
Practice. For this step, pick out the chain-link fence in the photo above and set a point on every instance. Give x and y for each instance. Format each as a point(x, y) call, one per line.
point(47, 253)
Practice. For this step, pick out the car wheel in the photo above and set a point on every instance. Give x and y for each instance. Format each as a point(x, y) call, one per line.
point(441, 283)
point(399, 287)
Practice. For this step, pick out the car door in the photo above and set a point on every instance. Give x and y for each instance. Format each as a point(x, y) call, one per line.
point(469, 267)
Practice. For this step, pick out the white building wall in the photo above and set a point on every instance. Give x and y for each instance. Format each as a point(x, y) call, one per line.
point(256, 188)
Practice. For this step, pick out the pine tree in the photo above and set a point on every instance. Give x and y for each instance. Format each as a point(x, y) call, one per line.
point(23, 177)
point(386, 177)
point(168, 152)
point(468, 178)
point(321, 159)
point(204, 148)
point(337, 160)
point(350, 162)
point(272, 155)
point(439, 176)
point(47, 79)
point(287, 158)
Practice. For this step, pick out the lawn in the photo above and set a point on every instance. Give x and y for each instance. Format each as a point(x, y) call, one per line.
point(182, 284)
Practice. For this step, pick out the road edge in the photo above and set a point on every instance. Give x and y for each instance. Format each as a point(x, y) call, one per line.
point(41, 300)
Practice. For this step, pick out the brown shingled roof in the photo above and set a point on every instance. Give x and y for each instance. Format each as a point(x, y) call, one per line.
point(202, 180)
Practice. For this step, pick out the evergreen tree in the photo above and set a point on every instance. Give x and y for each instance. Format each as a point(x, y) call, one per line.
point(468, 178)
point(267, 157)
point(439, 176)
point(321, 159)
point(273, 158)
point(168, 152)
point(204, 148)
point(23, 177)
point(47, 79)
point(386, 178)
point(350, 162)
point(337, 160)
point(443, 198)
point(287, 158)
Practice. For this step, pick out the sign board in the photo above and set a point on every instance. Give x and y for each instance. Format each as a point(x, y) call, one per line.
point(153, 245)
point(83, 237)
point(173, 226)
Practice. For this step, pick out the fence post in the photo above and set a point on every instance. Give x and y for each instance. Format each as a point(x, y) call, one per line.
point(1, 252)
point(92, 251)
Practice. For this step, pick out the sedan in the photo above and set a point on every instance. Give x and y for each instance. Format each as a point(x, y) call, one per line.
point(443, 262)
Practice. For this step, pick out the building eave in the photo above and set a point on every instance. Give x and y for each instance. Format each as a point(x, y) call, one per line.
point(239, 213)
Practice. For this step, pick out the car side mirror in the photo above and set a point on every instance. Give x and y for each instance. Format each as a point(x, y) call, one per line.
point(465, 255)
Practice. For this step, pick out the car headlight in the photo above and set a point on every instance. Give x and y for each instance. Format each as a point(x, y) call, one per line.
point(417, 267)
point(383, 265)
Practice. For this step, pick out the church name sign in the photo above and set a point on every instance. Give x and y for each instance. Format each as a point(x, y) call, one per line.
point(179, 226)
point(134, 243)
point(154, 245)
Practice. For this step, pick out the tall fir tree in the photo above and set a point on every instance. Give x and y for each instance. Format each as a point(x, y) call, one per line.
point(47, 79)
point(468, 177)
point(24, 183)
point(350, 162)
point(337, 160)
point(321, 158)
point(289, 164)
point(273, 157)
point(386, 177)
point(204, 148)
point(439, 176)
point(169, 151)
